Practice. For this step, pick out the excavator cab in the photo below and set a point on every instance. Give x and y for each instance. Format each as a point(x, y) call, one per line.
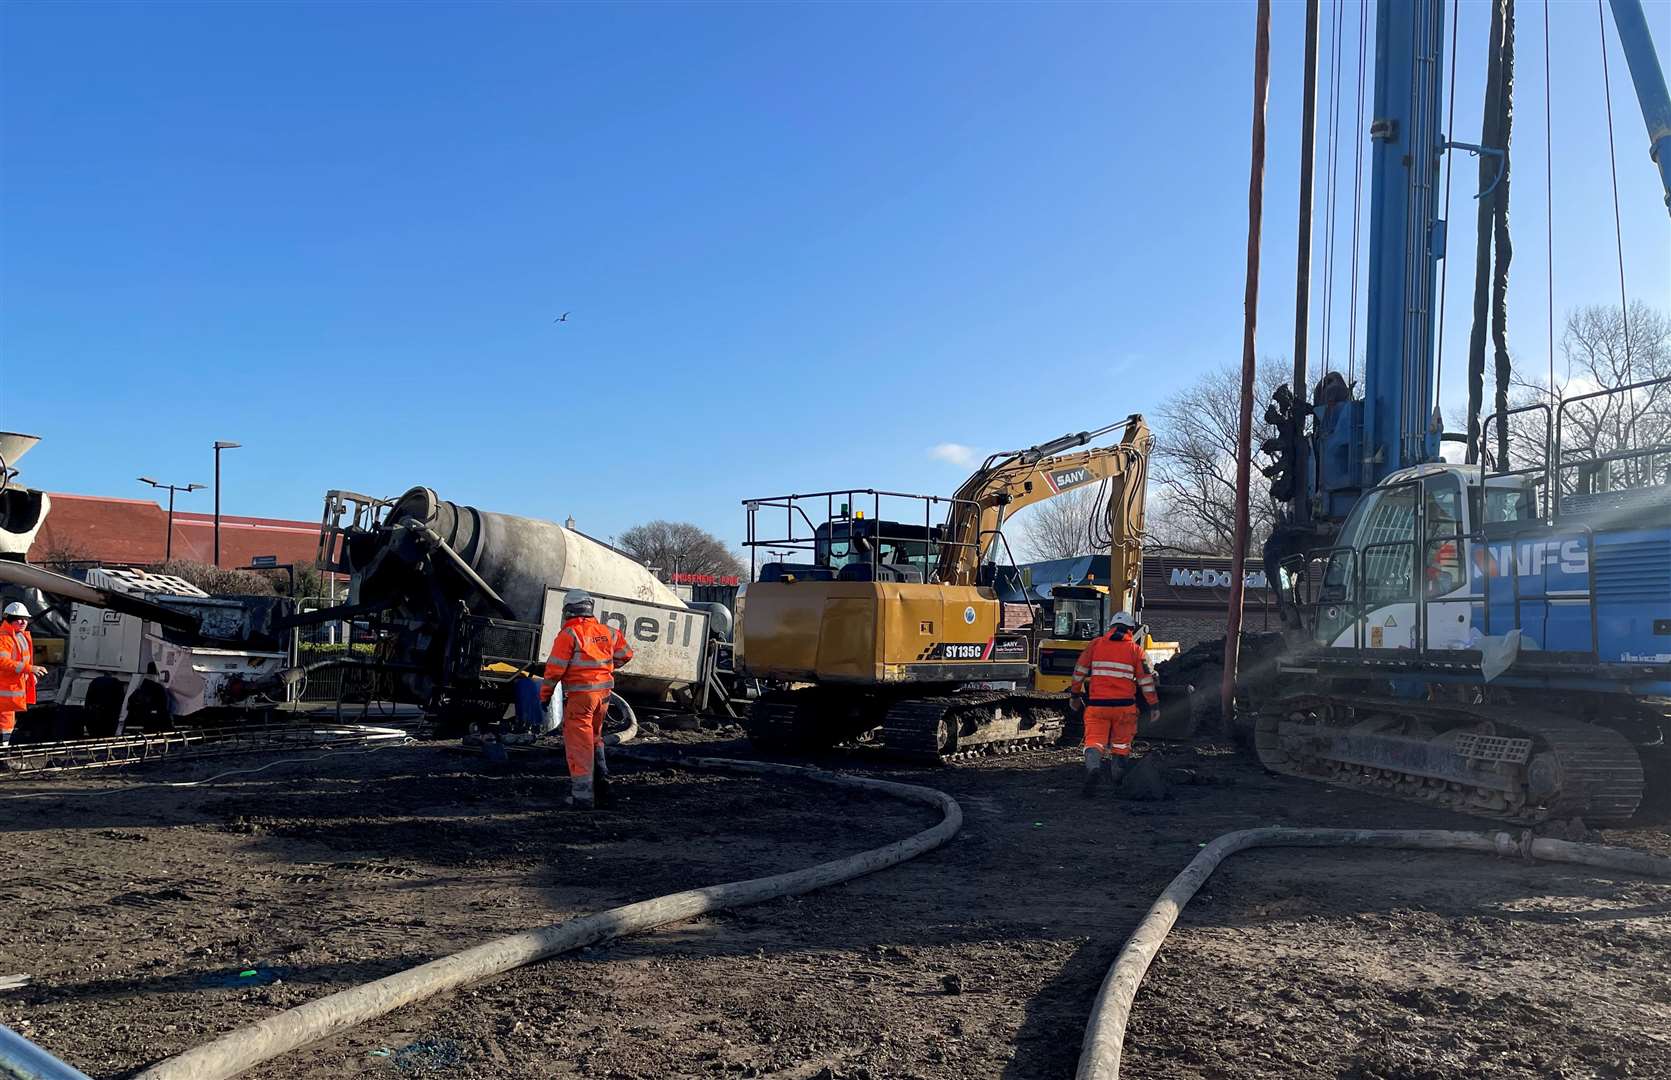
point(863, 549)
point(859, 548)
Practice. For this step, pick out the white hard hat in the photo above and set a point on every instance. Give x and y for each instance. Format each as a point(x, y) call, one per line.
point(16, 610)
point(1125, 619)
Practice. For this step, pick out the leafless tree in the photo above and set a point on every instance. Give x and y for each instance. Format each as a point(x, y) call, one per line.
point(679, 547)
point(1192, 505)
point(62, 553)
point(219, 581)
point(1600, 354)
point(1061, 528)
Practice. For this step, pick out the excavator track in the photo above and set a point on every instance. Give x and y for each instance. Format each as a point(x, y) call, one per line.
point(959, 727)
point(936, 730)
point(783, 720)
point(1512, 765)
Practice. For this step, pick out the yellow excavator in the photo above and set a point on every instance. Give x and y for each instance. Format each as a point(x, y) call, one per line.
point(888, 628)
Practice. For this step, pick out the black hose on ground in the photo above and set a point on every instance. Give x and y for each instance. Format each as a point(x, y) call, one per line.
point(264, 1040)
point(1105, 1033)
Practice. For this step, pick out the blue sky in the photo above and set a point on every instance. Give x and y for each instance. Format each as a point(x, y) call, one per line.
point(802, 245)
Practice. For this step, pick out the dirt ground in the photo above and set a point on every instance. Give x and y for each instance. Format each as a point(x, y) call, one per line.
point(151, 919)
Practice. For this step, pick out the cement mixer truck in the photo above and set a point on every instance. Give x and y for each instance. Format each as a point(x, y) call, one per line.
point(462, 599)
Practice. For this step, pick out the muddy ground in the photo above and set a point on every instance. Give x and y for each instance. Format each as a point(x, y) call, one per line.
point(151, 919)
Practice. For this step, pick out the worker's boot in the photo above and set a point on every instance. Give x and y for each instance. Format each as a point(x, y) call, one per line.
point(1112, 769)
point(581, 795)
point(1093, 773)
point(600, 776)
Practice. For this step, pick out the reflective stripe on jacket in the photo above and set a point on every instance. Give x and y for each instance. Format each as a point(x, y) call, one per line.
point(1114, 670)
point(13, 668)
point(586, 654)
point(27, 640)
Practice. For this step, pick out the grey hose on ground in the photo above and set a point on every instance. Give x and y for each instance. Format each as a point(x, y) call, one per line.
point(628, 733)
point(1105, 1032)
point(252, 1044)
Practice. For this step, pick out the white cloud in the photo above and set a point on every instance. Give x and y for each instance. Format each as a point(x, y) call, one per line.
point(952, 453)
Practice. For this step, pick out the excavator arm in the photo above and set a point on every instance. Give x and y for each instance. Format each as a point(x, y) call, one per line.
point(1012, 480)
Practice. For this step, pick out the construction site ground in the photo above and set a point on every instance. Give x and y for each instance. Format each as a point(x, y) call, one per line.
point(150, 919)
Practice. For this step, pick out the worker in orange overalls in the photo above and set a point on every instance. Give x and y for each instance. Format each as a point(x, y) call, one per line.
point(18, 673)
point(584, 658)
point(1444, 568)
point(1106, 681)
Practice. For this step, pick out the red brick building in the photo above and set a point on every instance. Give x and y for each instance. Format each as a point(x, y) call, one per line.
point(134, 531)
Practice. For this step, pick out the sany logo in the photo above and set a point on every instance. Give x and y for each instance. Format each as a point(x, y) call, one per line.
point(1066, 478)
point(1494, 560)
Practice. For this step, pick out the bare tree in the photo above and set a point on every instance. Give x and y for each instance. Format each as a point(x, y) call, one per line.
point(679, 547)
point(1603, 350)
point(62, 553)
point(218, 581)
point(1062, 528)
point(1193, 506)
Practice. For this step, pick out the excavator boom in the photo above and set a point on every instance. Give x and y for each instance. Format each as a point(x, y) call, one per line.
point(1012, 480)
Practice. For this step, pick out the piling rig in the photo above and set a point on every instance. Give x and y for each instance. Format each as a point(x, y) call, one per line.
point(1492, 637)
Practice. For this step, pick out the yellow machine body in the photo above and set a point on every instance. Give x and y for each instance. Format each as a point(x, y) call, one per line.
point(870, 633)
point(1080, 613)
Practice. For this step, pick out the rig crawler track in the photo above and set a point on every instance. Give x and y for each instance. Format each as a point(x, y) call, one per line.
point(1513, 765)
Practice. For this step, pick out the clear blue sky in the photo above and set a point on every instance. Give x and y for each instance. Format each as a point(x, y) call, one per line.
point(802, 245)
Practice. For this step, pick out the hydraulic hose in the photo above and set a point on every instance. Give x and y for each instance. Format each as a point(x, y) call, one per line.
point(1105, 1032)
point(264, 1040)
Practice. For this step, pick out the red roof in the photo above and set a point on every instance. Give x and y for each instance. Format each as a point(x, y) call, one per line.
point(132, 531)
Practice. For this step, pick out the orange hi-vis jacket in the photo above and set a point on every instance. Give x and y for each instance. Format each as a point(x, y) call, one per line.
point(1115, 672)
point(585, 655)
point(14, 673)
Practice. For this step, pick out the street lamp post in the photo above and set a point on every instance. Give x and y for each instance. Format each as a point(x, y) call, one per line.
point(219, 446)
point(168, 539)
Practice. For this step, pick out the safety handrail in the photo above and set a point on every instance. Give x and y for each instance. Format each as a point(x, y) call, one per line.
point(1560, 462)
point(792, 505)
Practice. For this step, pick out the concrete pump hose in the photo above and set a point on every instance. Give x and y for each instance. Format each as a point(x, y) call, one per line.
point(1105, 1033)
point(264, 1040)
point(628, 733)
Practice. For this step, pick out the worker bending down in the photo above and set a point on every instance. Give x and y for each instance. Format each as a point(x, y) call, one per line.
point(1110, 673)
point(584, 658)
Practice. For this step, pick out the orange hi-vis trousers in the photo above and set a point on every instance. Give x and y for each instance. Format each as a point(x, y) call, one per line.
point(584, 712)
point(1110, 730)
